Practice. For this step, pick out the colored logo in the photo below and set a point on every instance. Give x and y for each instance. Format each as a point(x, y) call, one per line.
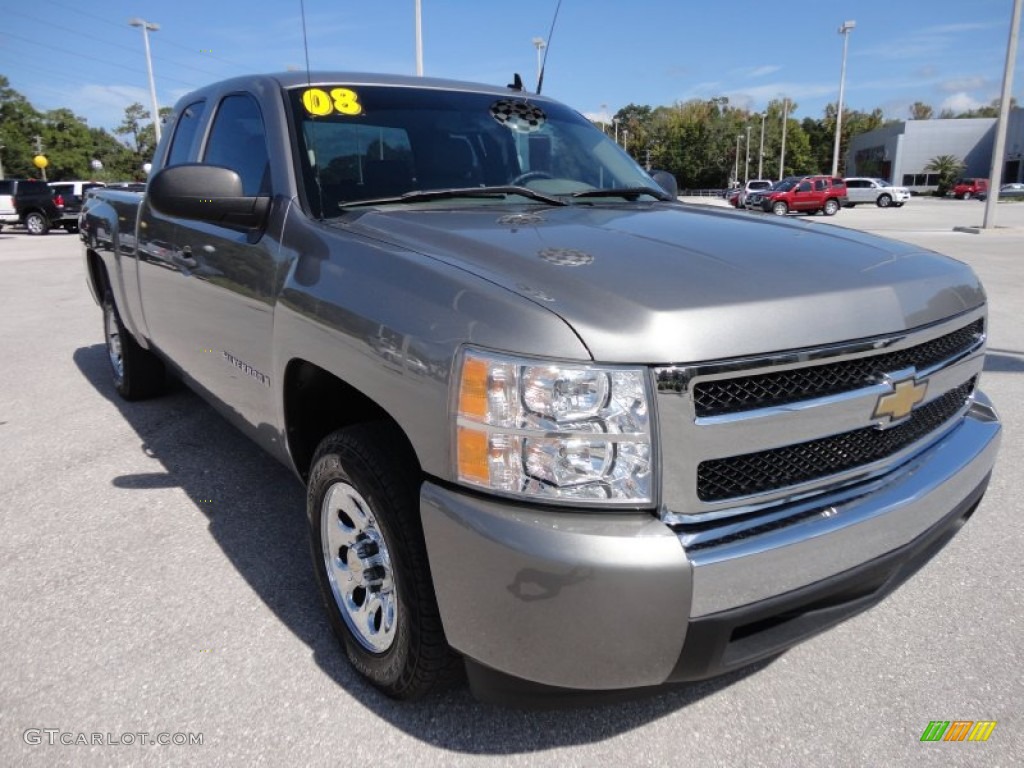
point(958, 730)
point(901, 401)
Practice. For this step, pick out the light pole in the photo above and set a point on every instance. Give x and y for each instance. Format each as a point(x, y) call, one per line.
point(419, 39)
point(148, 27)
point(845, 32)
point(760, 154)
point(625, 139)
point(615, 121)
point(746, 168)
point(782, 152)
point(996, 174)
point(1, 161)
point(736, 163)
point(540, 45)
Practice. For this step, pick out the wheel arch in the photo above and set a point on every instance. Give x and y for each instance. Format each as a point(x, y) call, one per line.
point(316, 403)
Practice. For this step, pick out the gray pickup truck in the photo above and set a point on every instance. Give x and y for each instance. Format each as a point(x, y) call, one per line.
point(557, 429)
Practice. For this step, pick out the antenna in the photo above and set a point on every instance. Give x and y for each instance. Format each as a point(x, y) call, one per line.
point(547, 49)
point(309, 82)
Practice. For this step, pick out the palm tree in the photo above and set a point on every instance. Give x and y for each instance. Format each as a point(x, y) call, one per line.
point(949, 168)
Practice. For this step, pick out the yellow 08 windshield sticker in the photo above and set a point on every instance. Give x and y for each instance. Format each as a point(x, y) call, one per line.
point(319, 102)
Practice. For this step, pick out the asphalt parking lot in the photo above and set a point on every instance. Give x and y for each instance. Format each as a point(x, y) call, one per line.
point(155, 578)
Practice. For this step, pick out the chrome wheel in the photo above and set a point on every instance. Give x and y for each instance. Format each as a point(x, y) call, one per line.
point(114, 350)
point(780, 209)
point(884, 201)
point(358, 566)
point(35, 224)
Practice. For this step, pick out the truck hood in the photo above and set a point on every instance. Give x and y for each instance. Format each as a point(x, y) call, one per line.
point(655, 283)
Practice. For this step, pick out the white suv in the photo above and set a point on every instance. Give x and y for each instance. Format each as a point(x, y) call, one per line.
point(7, 213)
point(754, 185)
point(877, 191)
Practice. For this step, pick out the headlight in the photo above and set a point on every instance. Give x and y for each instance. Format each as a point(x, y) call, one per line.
point(556, 431)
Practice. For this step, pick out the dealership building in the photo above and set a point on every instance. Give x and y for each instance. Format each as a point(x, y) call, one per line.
point(900, 152)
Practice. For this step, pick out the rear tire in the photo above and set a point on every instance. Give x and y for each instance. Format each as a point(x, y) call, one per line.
point(371, 561)
point(36, 223)
point(831, 207)
point(780, 208)
point(71, 228)
point(137, 372)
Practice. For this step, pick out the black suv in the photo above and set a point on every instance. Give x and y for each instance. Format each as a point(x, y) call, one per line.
point(37, 211)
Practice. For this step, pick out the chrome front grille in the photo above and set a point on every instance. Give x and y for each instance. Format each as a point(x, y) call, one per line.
point(753, 473)
point(744, 436)
point(713, 398)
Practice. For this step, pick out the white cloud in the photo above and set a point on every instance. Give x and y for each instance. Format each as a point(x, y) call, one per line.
point(960, 102)
point(762, 94)
point(767, 69)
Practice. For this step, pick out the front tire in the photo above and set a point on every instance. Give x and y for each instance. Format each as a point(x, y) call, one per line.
point(780, 208)
point(36, 223)
point(966, 196)
point(371, 561)
point(884, 201)
point(137, 372)
point(831, 208)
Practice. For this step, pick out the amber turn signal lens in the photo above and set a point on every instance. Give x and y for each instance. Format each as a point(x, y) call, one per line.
point(473, 464)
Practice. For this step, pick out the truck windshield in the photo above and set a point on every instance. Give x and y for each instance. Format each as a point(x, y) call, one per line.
point(378, 143)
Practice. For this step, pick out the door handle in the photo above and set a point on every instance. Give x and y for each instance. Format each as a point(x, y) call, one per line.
point(185, 258)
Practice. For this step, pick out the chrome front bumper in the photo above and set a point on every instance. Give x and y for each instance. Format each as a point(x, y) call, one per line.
point(601, 601)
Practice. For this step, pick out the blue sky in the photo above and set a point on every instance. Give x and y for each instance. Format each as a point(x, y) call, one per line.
point(604, 53)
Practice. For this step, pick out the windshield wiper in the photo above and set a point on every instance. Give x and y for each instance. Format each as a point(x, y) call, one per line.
point(423, 195)
point(629, 193)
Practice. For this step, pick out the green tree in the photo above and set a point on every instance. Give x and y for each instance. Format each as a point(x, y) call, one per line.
point(949, 169)
point(19, 123)
point(921, 111)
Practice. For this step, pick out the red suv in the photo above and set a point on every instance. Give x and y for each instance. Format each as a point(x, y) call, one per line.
point(965, 189)
point(809, 194)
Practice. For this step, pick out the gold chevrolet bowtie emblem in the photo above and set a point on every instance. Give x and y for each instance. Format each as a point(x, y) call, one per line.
point(901, 401)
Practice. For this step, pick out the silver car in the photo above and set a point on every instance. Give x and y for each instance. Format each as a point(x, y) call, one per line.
point(877, 191)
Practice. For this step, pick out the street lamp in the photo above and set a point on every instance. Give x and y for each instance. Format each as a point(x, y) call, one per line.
point(2, 147)
point(782, 150)
point(736, 162)
point(845, 32)
point(419, 39)
point(148, 27)
point(625, 139)
point(746, 168)
point(760, 154)
point(540, 45)
point(615, 121)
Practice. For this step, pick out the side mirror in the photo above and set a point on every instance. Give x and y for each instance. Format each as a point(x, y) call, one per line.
point(208, 193)
point(666, 181)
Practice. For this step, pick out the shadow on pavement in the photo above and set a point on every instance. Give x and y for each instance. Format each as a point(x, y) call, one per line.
point(1004, 361)
point(258, 519)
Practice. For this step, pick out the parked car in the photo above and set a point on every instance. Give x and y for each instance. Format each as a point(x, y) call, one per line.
point(732, 197)
point(1007, 192)
point(877, 191)
point(965, 189)
point(8, 192)
point(68, 197)
point(754, 185)
point(807, 194)
point(558, 430)
point(7, 213)
point(35, 206)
